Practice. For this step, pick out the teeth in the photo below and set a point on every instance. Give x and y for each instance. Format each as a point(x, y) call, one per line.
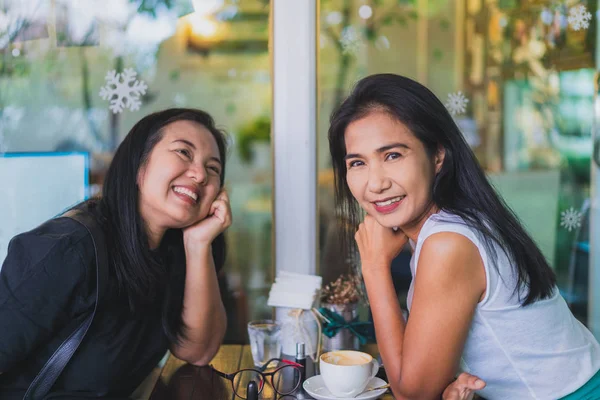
point(187, 192)
point(390, 201)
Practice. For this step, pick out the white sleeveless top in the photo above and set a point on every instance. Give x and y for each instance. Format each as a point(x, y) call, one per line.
point(540, 351)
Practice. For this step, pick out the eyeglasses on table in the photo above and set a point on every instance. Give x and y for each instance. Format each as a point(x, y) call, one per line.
point(284, 379)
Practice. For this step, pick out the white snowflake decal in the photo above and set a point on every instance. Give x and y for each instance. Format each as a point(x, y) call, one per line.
point(350, 40)
point(570, 219)
point(123, 90)
point(456, 103)
point(579, 17)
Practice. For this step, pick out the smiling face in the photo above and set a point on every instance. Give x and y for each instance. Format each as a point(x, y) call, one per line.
point(181, 178)
point(389, 171)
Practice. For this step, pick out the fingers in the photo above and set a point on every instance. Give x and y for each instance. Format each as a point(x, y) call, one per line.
point(359, 231)
point(221, 208)
point(223, 196)
point(367, 224)
point(470, 382)
point(453, 392)
point(463, 388)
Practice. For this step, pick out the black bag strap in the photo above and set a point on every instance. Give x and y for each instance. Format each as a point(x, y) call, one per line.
point(48, 375)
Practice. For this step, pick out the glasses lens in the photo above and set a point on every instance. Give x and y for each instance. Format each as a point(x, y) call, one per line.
point(243, 378)
point(286, 379)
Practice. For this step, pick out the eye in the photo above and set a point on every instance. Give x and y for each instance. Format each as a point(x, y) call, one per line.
point(215, 169)
point(392, 156)
point(185, 152)
point(355, 163)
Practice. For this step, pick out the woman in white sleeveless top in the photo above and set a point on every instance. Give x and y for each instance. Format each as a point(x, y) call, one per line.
point(483, 298)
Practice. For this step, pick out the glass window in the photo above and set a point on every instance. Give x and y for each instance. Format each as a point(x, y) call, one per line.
point(76, 75)
point(519, 78)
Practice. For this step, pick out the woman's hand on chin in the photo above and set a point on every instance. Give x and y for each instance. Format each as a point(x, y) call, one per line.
point(202, 233)
point(378, 245)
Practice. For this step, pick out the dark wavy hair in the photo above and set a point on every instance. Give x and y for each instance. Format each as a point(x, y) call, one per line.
point(140, 273)
point(460, 187)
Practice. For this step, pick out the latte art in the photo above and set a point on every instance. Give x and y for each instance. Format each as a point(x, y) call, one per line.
point(339, 358)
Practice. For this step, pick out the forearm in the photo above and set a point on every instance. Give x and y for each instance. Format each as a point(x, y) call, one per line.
point(203, 312)
point(389, 322)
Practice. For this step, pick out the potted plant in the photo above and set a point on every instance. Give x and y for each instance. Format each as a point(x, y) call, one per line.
point(339, 309)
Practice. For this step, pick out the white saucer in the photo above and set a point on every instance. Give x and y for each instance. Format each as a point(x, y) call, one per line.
point(315, 387)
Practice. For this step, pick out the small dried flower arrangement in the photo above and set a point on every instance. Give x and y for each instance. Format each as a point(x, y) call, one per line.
point(345, 290)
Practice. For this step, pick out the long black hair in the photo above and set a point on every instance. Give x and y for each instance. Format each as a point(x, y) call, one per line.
point(140, 273)
point(460, 187)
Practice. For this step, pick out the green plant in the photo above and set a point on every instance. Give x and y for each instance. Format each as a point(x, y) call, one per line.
point(258, 130)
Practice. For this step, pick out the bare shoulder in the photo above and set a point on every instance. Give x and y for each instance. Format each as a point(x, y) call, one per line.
point(449, 244)
point(451, 256)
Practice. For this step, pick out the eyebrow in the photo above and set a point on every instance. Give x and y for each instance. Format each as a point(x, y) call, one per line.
point(187, 142)
point(382, 149)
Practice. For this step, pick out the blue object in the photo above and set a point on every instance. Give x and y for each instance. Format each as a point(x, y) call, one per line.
point(589, 391)
point(37, 187)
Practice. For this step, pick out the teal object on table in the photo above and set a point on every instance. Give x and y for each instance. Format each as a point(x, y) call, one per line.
point(589, 391)
point(362, 330)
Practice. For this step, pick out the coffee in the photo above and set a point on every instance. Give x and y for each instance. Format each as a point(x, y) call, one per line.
point(346, 358)
point(346, 373)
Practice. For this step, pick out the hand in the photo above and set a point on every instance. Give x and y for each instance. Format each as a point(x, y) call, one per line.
point(205, 231)
point(378, 245)
point(463, 388)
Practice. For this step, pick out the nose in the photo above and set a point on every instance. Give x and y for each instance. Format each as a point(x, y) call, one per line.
point(378, 180)
point(198, 173)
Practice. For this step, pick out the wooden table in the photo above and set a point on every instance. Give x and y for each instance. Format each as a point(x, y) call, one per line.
point(181, 381)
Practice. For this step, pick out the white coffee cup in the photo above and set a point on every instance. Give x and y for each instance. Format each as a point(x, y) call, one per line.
point(346, 373)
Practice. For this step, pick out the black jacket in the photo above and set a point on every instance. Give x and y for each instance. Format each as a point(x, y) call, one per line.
point(47, 286)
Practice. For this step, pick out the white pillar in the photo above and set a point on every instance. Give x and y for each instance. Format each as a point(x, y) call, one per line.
point(294, 37)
